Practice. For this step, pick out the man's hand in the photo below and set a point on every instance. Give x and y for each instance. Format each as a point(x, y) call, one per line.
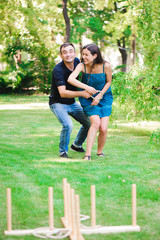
point(86, 94)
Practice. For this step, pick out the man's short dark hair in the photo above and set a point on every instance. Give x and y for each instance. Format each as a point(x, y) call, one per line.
point(66, 45)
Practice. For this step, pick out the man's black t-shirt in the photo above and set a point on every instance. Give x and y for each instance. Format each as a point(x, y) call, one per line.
point(60, 76)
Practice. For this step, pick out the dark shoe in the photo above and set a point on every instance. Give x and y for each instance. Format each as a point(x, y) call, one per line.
point(77, 149)
point(64, 155)
point(100, 155)
point(88, 157)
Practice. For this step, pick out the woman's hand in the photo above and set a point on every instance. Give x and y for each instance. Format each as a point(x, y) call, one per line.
point(91, 90)
point(97, 99)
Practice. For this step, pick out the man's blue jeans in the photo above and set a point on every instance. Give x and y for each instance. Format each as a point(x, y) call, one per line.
point(63, 113)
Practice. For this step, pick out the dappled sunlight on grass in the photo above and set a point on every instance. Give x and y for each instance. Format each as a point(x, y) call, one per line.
point(145, 125)
point(50, 160)
point(22, 106)
point(43, 135)
point(114, 130)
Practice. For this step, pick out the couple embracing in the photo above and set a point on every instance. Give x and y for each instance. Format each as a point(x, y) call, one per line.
point(94, 95)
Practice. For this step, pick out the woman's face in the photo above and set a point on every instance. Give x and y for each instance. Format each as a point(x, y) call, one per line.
point(88, 58)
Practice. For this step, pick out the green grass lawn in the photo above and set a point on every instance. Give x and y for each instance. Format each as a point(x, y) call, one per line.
point(30, 163)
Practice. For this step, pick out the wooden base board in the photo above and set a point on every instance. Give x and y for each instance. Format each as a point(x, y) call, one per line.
point(27, 232)
point(87, 231)
point(110, 229)
point(19, 232)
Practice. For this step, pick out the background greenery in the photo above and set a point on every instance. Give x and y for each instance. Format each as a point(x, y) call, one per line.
point(32, 31)
point(30, 164)
point(30, 35)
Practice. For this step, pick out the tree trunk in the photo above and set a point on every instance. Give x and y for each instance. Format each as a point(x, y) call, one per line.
point(67, 21)
point(102, 48)
point(133, 46)
point(122, 48)
point(17, 58)
point(52, 36)
point(123, 53)
point(80, 46)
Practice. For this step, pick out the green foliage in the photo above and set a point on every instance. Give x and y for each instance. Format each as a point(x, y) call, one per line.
point(138, 90)
point(92, 25)
point(148, 22)
point(31, 31)
point(30, 73)
point(15, 80)
point(3, 83)
point(154, 140)
point(136, 93)
point(43, 66)
point(119, 85)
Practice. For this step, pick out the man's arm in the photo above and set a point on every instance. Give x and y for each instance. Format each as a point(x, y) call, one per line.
point(58, 76)
point(64, 93)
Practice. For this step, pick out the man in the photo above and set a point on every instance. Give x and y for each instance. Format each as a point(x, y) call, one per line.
point(63, 104)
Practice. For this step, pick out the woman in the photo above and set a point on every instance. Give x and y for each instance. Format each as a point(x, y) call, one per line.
point(96, 79)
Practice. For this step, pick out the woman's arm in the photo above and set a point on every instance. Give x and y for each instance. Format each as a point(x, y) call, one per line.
point(108, 72)
point(72, 80)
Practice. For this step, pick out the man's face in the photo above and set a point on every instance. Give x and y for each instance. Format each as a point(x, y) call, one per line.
point(67, 54)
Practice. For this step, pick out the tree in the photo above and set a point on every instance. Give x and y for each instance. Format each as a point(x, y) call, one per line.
point(88, 21)
point(67, 21)
point(140, 94)
point(29, 30)
point(100, 23)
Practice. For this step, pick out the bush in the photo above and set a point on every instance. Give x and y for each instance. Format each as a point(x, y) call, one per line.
point(136, 92)
point(154, 140)
point(119, 83)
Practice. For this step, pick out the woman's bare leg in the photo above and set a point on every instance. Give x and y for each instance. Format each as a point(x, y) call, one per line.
point(102, 134)
point(92, 133)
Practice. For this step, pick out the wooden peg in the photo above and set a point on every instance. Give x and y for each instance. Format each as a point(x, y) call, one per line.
point(50, 204)
point(93, 206)
point(9, 210)
point(134, 206)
